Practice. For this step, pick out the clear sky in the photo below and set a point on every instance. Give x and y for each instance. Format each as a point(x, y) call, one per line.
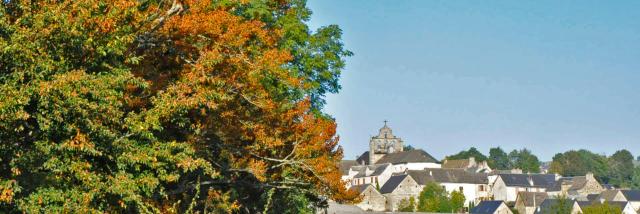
point(448, 75)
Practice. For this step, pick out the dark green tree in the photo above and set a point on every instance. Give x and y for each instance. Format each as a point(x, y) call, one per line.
point(407, 148)
point(472, 152)
point(434, 198)
point(407, 205)
point(563, 205)
point(498, 159)
point(621, 163)
point(525, 160)
point(601, 208)
point(579, 163)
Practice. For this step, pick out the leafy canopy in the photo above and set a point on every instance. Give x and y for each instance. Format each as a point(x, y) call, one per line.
point(159, 106)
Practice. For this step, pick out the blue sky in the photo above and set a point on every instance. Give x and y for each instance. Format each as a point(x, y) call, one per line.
point(448, 75)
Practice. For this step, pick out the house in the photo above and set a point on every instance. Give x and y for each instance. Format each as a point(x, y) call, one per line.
point(577, 187)
point(550, 205)
point(399, 187)
point(624, 206)
point(345, 166)
point(491, 207)
point(372, 199)
point(470, 165)
point(631, 196)
point(527, 202)
point(474, 186)
point(375, 175)
point(506, 186)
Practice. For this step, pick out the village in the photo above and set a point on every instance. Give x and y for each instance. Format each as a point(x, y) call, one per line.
point(386, 177)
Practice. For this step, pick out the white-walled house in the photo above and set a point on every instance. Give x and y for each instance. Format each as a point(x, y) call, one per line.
point(474, 186)
point(506, 186)
point(375, 175)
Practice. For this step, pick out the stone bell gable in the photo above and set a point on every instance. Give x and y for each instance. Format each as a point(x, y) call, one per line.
point(384, 143)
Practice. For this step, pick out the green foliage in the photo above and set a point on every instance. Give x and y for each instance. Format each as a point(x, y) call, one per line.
point(563, 205)
point(635, 178)
point(457, 200)
point(102, 109)
point(318, 54)
point(581, 162)
point(525, 160)
point(407, 205)
point(434, 198)
point(612, 170)
point(407, 148)
point(498, 159)
point(603, 208)
point(472, 152)
point(620, 164)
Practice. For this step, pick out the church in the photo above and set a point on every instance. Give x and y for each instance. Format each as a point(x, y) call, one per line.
point(386, 156)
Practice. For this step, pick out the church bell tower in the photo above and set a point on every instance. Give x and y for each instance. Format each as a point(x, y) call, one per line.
point(384, 143)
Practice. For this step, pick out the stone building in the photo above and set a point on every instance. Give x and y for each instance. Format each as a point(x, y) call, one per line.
point(470, 165)
point(527, 202)
point(372, 199)
point(577, 187)
point(399, 187)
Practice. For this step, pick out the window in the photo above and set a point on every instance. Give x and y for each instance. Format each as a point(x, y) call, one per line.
point(481, 188)
point(460, 188)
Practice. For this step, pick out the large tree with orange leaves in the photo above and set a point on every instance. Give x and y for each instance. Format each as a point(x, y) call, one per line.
point(166, 107)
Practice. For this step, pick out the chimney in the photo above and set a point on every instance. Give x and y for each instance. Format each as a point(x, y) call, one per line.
point(590, 176)
point(430, 173)
point(530, 179)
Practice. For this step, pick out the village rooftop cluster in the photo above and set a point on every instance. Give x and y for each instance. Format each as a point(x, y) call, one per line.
point(386, 174)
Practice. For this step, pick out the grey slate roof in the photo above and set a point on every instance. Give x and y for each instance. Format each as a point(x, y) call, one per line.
point(549, 205)
point(531, 199)
point(360, 188)
point(448, 176)
point(486, 207)
point(392, 183)
point(374, 170)
point(363, 158)
point(412, 156)
point(529, 180)
point(631, 195)
point(345, 165)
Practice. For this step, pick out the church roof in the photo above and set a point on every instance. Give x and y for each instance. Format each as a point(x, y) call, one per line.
point(447, 176)
point(412, 156)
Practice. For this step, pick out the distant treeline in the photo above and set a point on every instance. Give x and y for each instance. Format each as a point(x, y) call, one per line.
point(618, 169)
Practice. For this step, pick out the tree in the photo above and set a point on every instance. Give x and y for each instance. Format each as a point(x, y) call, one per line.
point(457, 201)
point(498, 159)
point(563, 205)
point(601, 208)
point(579, 163)
point(525, 160)
point(166, 106)
point(407, 205)
point(407, 148)
point(620, 164)
point(472, 152)
point(635, 178)
point(434, 198)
